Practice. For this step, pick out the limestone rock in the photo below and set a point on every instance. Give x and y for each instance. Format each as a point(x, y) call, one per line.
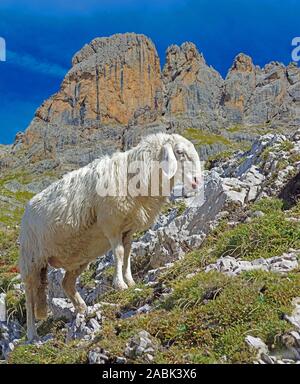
point(112, 81)
point(85, 326)
point(115, 92)
point(61, 308)
point(294, 318)
point(2, 307)
point(257, 344)
point(98, 356)
point(192, 87)
point(10, 333)
point(239, 85)
point(231, 266)
point(111, 78)
point(141, 346)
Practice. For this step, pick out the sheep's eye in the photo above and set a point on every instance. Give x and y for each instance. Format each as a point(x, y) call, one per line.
point(179, 152)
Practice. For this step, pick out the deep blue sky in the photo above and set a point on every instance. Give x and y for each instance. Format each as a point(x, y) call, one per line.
point(42, 36)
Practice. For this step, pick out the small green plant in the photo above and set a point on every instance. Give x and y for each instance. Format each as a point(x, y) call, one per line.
point(87, 278)
point(15, 303)
point(286, 146)
point(52, 352)
point(282, 164)
point(200, 137)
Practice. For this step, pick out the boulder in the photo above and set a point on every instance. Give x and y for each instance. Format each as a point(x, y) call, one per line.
point(141, 346)
point(62, 309)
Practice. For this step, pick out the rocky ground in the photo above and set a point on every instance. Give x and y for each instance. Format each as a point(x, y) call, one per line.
point(217, 280)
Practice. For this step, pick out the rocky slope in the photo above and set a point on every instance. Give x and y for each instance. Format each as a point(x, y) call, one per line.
point(218, 279)
point(218, 273)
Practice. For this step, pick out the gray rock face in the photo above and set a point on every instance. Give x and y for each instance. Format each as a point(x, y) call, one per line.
point(61, 308)
point(249, 95)
point(113, 81)
point(257, 96)
point(34, 187)
point(239, 85)
point(267, 167)
point(116, 92)
point(232, 267)
point(295, 317)
point(187, 232)
point(192, 87)
point(55, 278)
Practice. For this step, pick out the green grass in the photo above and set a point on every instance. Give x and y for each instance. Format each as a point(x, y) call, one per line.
point(265, 237)
point(179, 205)
point(87, 278)
point(200, 137)
point(131, 298)
point(235, 128)
point(11, 212)
point(286, 146)
point(53, 352)
point(9, 253)
point(212, 326)
point(15, 303)
point(205, 331)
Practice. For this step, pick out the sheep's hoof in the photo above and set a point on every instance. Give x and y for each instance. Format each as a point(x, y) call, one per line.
point(130, 282)
point(120, 285)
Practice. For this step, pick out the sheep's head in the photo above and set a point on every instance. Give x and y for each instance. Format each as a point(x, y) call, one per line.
point(181, 163)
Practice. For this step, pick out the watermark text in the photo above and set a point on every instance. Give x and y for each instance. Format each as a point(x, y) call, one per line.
point(2, 49)
point(296, 50)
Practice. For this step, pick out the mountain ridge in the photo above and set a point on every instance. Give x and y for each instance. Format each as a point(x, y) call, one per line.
point(116, 92)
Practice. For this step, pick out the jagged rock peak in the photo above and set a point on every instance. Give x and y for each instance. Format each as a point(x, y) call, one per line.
point(177, 56)
point(112, 47)
point(242, 63)
point(111, 79)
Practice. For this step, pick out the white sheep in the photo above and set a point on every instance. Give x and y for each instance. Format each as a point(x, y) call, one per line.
point(72, 221)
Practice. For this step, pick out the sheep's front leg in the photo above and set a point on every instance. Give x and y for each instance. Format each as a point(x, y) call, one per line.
point(69, 286)
point(127, 265)
point(118, 250)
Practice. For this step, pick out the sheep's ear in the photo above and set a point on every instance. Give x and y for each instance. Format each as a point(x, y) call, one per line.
point(169, 162)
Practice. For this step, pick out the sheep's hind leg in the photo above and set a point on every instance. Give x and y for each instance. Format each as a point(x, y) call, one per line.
point(69, 286)
point(127, 265)
point(30, 318)
point(118, 250)
point(41, 308)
